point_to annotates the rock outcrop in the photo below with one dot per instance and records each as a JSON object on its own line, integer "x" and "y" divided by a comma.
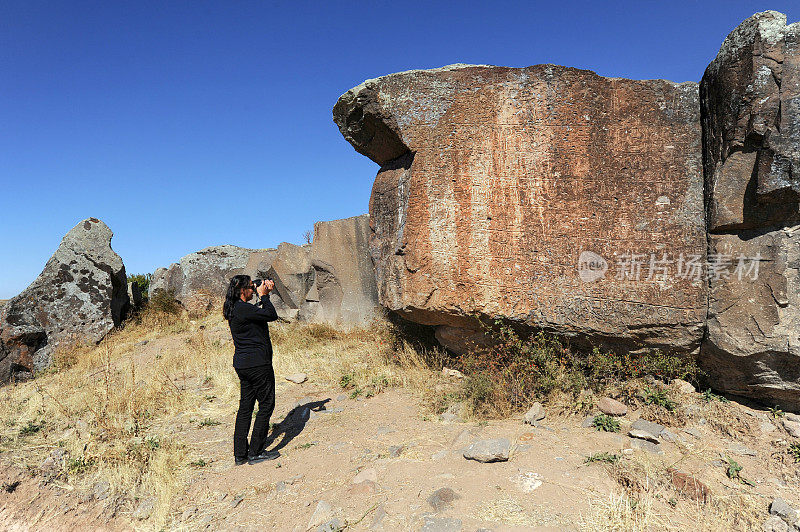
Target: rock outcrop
{"x": 330, "y": 280}
{"x": 80, "y": 296}
{"x": 750, "y": 97}
{"x": 548, "y": 196}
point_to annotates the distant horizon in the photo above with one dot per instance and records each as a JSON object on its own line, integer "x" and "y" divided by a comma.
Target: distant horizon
{"x": 168, "y": 121}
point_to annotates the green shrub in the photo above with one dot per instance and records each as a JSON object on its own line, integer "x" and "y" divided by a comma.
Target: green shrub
{"x": 658, "y": 398}
{"x": 604, "y": 457}
{"x": 142, "y": 280}
{"x": 794, "y": 451}
{"x": 605, "y": 423}
{"x": 164, "y": 302}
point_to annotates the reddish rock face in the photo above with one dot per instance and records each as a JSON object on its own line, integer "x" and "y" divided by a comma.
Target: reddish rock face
{"x": 497, "y": 183}
{"x": 750, "y": 97}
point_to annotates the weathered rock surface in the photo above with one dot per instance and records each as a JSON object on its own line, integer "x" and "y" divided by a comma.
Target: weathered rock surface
{"x": 495, "y": 180}
{"x": 612, "y": 407}
{"x": 750, "y": 98}
{"x": 330, "y": 280}
{"x": 81, "y": 294}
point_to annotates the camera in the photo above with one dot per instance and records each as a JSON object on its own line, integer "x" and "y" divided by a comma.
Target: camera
{"x": 257, "y": 282}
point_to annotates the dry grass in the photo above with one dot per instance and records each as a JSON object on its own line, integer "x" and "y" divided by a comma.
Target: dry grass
{"x": 113, "y": 407}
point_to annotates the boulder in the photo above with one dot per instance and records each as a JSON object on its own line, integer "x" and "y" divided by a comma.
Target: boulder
{"x": 330, "y": 280}
{"x": 612, "y": 407}
{"x": 79, "y": 297}
{"x": 750, "y": 98}
{"x": 535, "y": 195}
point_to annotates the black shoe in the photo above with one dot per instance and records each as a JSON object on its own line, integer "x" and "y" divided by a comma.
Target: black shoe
{"x": 266, "y": 455}
{"x": 239, "y": 461}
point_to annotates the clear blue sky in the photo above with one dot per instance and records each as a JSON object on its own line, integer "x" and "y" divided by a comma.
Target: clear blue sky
{"x": 185, "y": 124}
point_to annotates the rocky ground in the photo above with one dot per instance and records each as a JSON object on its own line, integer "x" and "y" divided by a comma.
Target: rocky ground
{"x": 385, "y": 462}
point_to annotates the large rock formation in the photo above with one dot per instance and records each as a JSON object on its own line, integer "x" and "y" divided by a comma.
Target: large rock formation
{"x": 497, "y": 183}
{"x": 80, "y": 296}
{"x": 330, "y": 280}
{"x": 750, "y": 97}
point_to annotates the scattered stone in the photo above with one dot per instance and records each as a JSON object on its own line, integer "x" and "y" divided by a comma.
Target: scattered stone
{"x": 741, "y": 450}
{"x": 442, "y": 498}
{"x": 683, "y": 387}
{"x": 527, "y": 436}
{"x": 783, "y": 510}
{"x": 452, "y": 414}
{"x": 646, "y": 445}
{"x": 294, "y": 479}
{"x": 297, "y": 378}
{"x": 654, "y": 429}
{"x": 101, "y": 490}
{"x": 464, "y": 437}
{"x": 220, "y": 496}
{"x": 642, "y": 435}
{"x": 792, "y": 417}
{"x": 536, "y": 413}
{"x": 792, "y": 427}
{"x": 280, "y": 486}
{"x": 396, "y": 450}
{"x": 441, "y": 524}
{"x": 323, "y": 513}
{"x": 142, "y": 343}
{"x": 365, "y": 487}
{"x": 692, "y": 431}
{"x": 688, "y": 486}
{"x": 331, "y": 526}
{"x": 144, "y": 509}
{"x": 767, "y": 427}
{"x": 495, "y": 450}
{"x": 380, "y": 514}
{"x": 775, "y": 524}
{"x": 611, "y": 407}
{"x": 341, "y": 397}
{"x": 236, "y": 501}
{"x": 447, "y": 372}
{"x": 365, "y": 474}
{"x": 529, "y": 481}
{"x": 439, "y": 455}
{"x": 587, "y": 422}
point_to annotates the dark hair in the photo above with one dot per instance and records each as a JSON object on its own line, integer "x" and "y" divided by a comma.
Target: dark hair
{"x": 238, "y": 282}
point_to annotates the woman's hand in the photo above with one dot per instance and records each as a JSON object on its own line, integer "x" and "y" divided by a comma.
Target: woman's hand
{"x": 265, "y": 288}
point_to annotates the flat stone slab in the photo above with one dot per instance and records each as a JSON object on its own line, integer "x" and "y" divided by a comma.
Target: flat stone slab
{"x": 496, "y": 450}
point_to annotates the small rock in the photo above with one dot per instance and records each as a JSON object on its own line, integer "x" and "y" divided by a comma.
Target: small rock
{"x": 341, "y": 397}
{"x": 452, "y": 414}
{"x": 536, "y": 413}
{"x": 742, "y": 450}
{"x": 646, "y": 445}
{"x": 683, "y": 387}
{"x": 441, "y": 524}
{"x": 766, "y": 427}
{"x": 485, "y": 451}
{"x": 775, "y": 524}
{"x": 322, "y": 514}
{"x": 688, "y": 486}
{"x": 447, "y": 372}
{"x": 366, "y": 487}
{"x": 280, "y": 486}
{"x": 380, "y": 514}
{"x": 647, "y": 426}
{"x": 144, "y": 509}
{"x": 782, "y": 509}
{"x": 442, "y": 498}
{"x": 693, "y": 432}
{"x": 792, "y": 427}
{"x": 438, "y": 455}
{"x": 670, "y": 436}
{"x": 642, "y": 435}
{"x": 101, "y": 490}
{"x": 587, "y": 422}
{"x": 236, "y": 501}
{"x": 297, "y": 378}
{"x": 142, "y": 343}
{"x": 396, "y": 450}
{"x": 611, "y": 407}
{"x": 219, "y": 496}
{"x": 331, "y": 526}
{"x": 365, "y": 474}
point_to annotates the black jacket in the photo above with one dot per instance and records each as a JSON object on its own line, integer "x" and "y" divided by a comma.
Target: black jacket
{"x": 250, "y": 333}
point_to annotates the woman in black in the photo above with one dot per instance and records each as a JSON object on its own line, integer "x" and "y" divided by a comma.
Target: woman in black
{"x": 252, "y": 360}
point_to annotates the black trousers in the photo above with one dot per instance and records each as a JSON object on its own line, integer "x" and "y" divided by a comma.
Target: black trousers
{"x": 257, "y": 383}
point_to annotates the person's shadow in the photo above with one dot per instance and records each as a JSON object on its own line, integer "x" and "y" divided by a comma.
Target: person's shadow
{"x": 294, "y": 423}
